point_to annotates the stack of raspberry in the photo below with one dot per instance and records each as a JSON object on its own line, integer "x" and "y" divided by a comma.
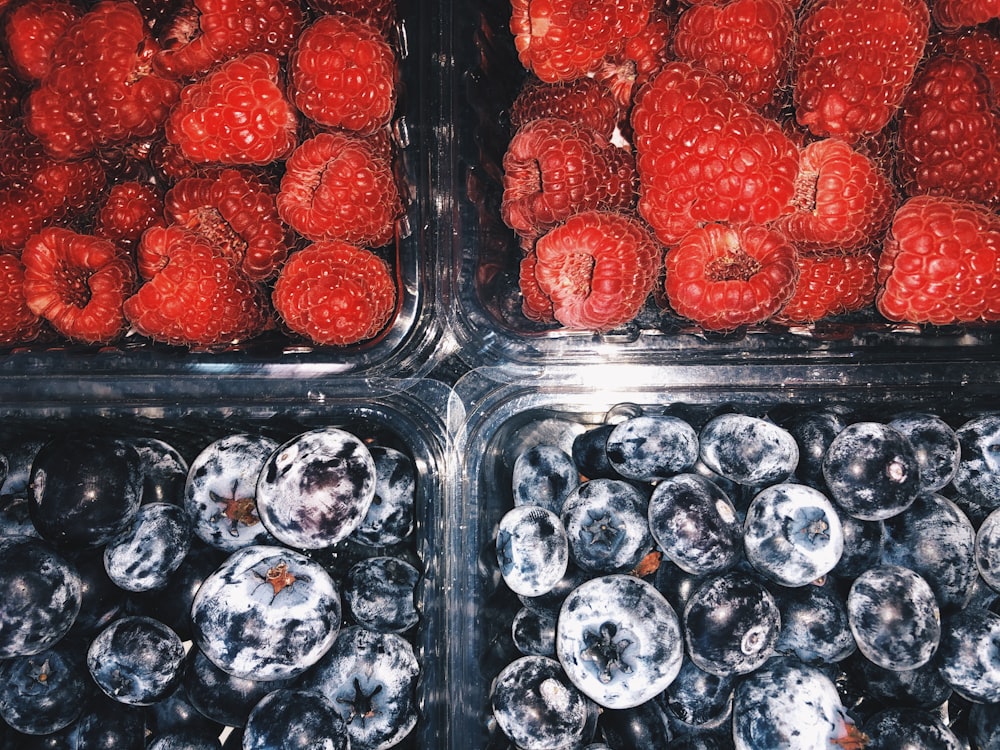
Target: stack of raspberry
{"x": 756, "y": 162}
{"x": 196, "y": 172}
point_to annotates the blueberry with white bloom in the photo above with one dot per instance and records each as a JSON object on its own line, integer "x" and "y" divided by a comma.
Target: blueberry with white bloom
{"x": 544, "y": 475}
{"x": 651, "y": 447}
{"x": 906, "y": 727}
{"x": 978, "y": 475}
{"x": 969, "y": 657}
{"x": 937, "y": 446}
{"x": 748, "y": 450}
{"x": 532, "y": 550}
{"x": 286, "y": 719}
{"x": 136, "y": 660}
{"x": 987, "y": 550}
{"x": 390, "y": 517}
{"x": 606, "y": 525}
{"x": 143, "y": 557}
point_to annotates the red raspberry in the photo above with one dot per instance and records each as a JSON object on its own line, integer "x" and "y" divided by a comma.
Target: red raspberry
{"x": 585, "y": 101}
{"x": 643, "y": 57}
{"x": 343, "y": 75}
{"x": 854, "y": 61}
{"x": 535, "y": 304}
{"x": 949, "y": 133}
{"x": 129, "y": 209}
{"x": 77, "y": 283}
{"x": 940, "y": 263}
{"x": 559, "y": 40}
{"x": 336, "y": 187}
{"x": 18, "y": 324}
{"x": 744, "y": 42}
{"x": 198, "y": 298}
{"x": 335, "y": 293}
{"x": 208, "y": 32}
{"x": 955, "y": 14}
{"x": 704, "y": 156}
{"x": 235, "y": 213}
{"x": 554, "y": 168}
{"x": 32, "y": 30}
{"x": 597, "y": 270}
{"x": 724, "y": 277}
{"x": 977, "y": 45}
{"x": 829, "y": 285}
{"x": 99, "y": 89}
{"x": 843, "y": 201}
{"x": 381, "y": 14}
{"x": 237, "y": 114}
{"x": 11, "y": 94}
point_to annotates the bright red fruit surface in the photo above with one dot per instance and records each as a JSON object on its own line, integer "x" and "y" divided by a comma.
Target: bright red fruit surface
{"x": 31, "y": 31}
{"x": 830, "y": 285}
{"x": 585, "y": 101}
{"x": 18, "y": 324}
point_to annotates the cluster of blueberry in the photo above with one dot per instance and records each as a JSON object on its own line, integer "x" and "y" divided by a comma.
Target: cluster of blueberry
{"x": 707, "y": 579}
{"x": 265, "y": 582}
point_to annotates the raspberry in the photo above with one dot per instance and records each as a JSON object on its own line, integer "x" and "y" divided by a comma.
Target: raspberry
{"x": 535, "y": 304}
{"x": 99, "y": 89}
{"x": 11, "y": 94}
{"x": 940, "y": 263}
{"x": 724, "y": 277}
{"x": 949, "y": 133}
{"x": 235, "y": 213}
{"x": 18, "y": 324}
{"x": 597, "y": 270}
{"x": 955, "y": 14}
{"x": 343, "y": 75}
{"x": 335, "y": 293}
{"x": 77, "y": 283}
{"x": 336, "y": 187}
{"x": 643, "y": 56}
{"x": 843, "y": 201}
{"x": 381, "y": 14}
{"x": 744, "y": 42}
{"x": 554, "y": 168}
{"x": 559, "y": 40}
{"x": 129, "y": 210}
{"x": 977, "y": 45}
{"x": 703, "y": 156}
{"x": 208, "y": 32}
{"x": 32, "y": 30}
{"x": 585, "y": 101}
{"x": 237, "y": 114}
{"x": 198, "y": 298}
{"x": 854, "y": 61}
{"x": 830, "y": 285}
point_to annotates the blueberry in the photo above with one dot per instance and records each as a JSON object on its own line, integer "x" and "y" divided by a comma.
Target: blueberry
{"x": 984, "y": 726}
{"x": 532, "y": 550}
{"x": 792, "y": 534}
{"x": 814, "y": 625}
{"x": 267, "y": 613}
{"x": 85, "y": 491}
{"x": 316, "y": 488}
{"x": 700, "y": 699}
{"x": 701, "y": 741}
{"x": 109, "y": 725}
{"x": 644, "y": 726}
{"x": 544, "y": 475}
{"x": 183, "y": 741}
{"x": 136, "y": 660}
{"x": 590, "y": 453}
{"x": 935, "y": 539}
{"x": 380, "y": 593}
{"x": 164, "y": 470}
{"x": 40, "y": 593}
{"x": 894, "y": 617}
{"x": 390, "y": 517}
{"x": 923, "y": 687}
{"x": 872, "y": 471}
{"x": 748, "y": 450}
{"x": 651, "y": 447}
{"x": 534, "y": 633}
{"x": 896, "y": 728}
{"x": 551, "y": 601}
{"x": 978, "y": 475}
{"x": 606, "y": 525}
{"x": 731, "y": 624}
{"x": 143, "y": 556}
{"x": 370, "y": 678}
{"x": 219, "y": 695}
{"x": 619, "y": 641}
{"x": 936, "y": 444}
{"x": 44, "y": 692}
{"x": 813, "y": 432}
{"x": 862, "y": 545}
{"x": 987, "y": 550}
{"x": 538, "y": 707}
{"x": 695, "y": 525}
{"x": 287, "y": 719}
{"x": 969, "y": 657}
{"x": 176, "y": 715}
{"x": 221, "y": 489}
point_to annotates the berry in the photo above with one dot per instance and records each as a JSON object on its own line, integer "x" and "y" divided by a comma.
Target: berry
{"x": 32, "y": 30}
{"x": 334, "y": 293}
{"x": 308, "y": 716}
{"x": 828, "y": 286}
{"x": 586, "y": 101}
{"x": 853, "y": 64}
{"x": 939, "y": 263}
{"x": 380, "y": 594}
{"x": 337, "y": 187}
{"x": 207, "y": 32}
{"x": 597, "y": 269}
{"x": 532, "y": 550}
{"x": 129, "y": 209}
{"x": 197, "y": 298}
{"x": 723, "y": 277}
{"x": 565, "y": 39}
{"x": 78, "y": 283}
{"x": 606, "y": 526}
{"x": 954, "y": 14}
{"x": 704, "y": 156}
{"x": 976, "y": 44}
{"x": 18, "y": 324}
{"x": 11, "y": 93}
{"x": 343, "y": 74}
{"x": 99, "y": 89}
{"x": 949, "y": 133}
{"x": 136, "y": 660}
{"x": 234, "y": 211}
{"x": 651, "y": 447}
{"x": 381, "y": 14}
{"x": 643, "y": 56}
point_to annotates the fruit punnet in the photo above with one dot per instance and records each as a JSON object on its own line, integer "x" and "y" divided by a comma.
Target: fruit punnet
{"x": 813, "y": 121}
{"x": 122, "y": 117}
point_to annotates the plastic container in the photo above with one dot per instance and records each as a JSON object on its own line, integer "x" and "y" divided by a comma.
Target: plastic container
{"x": 412, "y": 416}
{"x": 509, "y": 410}
{"x": 483, "y": 298}
{"x": 406, "y": 346}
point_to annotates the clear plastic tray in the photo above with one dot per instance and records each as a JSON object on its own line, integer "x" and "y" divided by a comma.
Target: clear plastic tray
{"x": 407, "y": 345}
{"x": 510, "y": 409}
{"x": 483, "y": 299}
{"x": 416, "y": 417}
